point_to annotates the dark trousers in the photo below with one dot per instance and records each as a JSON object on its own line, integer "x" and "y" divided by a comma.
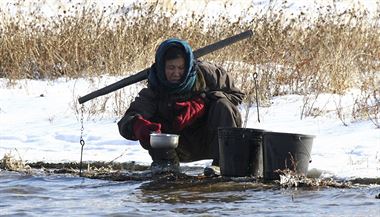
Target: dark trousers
{"x": 200, "y": 140}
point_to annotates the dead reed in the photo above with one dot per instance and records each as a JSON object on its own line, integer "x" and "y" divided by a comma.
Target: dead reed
{"x": 331, "y": 52}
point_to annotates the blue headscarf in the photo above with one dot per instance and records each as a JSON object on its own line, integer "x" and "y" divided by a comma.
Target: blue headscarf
{"x": 157, "y": 78}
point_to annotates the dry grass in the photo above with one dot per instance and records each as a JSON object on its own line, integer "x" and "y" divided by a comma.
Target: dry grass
{"x": 9, "y": 162}
{"x": 331, "y": 53}
{"x": 289, "y": 179}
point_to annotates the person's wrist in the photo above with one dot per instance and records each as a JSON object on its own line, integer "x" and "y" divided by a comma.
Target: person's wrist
{"x": 138, "y": 126}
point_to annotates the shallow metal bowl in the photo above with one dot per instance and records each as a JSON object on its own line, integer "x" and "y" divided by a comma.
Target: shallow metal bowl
{"x": 162, "y": 140}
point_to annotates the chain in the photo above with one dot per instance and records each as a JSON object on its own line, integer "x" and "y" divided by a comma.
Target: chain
{"x": 248, "y": 108}
{"x": 81, "y": 141}
{"x": 257, "y": 97}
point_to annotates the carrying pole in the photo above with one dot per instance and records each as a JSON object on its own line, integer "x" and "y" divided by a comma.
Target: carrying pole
{"x": 142, "y": 75}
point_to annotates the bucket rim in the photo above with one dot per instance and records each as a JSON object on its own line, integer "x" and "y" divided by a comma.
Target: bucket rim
{"x": 242, "y": 129}
{"x": 288, "y": 133}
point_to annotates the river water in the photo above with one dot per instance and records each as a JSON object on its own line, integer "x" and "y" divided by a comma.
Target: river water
{"x": 71, "y": 195}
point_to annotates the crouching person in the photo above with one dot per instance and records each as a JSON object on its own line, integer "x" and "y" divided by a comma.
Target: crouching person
{"x": 187, "y": 97}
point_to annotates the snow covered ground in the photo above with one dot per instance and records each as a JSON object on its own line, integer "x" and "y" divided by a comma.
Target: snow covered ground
{"x": 38, "y": 122}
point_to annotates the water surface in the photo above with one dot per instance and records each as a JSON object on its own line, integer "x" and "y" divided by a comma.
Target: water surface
{"x": 66, "y": 195}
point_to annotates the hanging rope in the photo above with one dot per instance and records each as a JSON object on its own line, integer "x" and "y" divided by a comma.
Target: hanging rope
{"x": 257, "y": 96}
{"x": 81, "y": 141}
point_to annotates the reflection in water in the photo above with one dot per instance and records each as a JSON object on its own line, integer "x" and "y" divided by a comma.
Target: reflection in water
{"x": 63, "y": 195}
{"x": 190, "y": 191}
{"x": 185, "y": 197}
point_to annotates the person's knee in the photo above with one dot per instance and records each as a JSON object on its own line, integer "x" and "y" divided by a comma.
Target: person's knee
{"x": 224, "y": 113}
{"x": 223, "y": 104}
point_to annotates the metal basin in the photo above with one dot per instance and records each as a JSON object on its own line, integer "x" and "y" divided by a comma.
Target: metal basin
{"x": 162, "y": 140}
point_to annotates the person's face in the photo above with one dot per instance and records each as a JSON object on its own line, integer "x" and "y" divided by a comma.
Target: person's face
{"x": 174, "y": 69}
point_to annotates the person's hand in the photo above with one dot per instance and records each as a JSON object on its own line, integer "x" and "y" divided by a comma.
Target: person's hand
{"x": 143, "y": 128}
{"x": 188, "y": 112}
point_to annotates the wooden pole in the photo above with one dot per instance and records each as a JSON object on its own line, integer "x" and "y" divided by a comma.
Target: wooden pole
{"x": 142, "y": 75}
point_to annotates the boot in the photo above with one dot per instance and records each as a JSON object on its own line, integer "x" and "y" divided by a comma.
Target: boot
{"x": 213, "y": 170}
{"x": 164, "y": 161}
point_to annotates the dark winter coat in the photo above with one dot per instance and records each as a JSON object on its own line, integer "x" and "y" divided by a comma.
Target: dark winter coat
{"x": 212, "y": 83}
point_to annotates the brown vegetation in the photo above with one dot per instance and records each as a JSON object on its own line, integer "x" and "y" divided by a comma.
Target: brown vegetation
{"x": 331, "y": 53}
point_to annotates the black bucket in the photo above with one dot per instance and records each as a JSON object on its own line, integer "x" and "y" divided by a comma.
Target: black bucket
{"x": 240, "y": 151}
{"x": 286, "y": 151}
